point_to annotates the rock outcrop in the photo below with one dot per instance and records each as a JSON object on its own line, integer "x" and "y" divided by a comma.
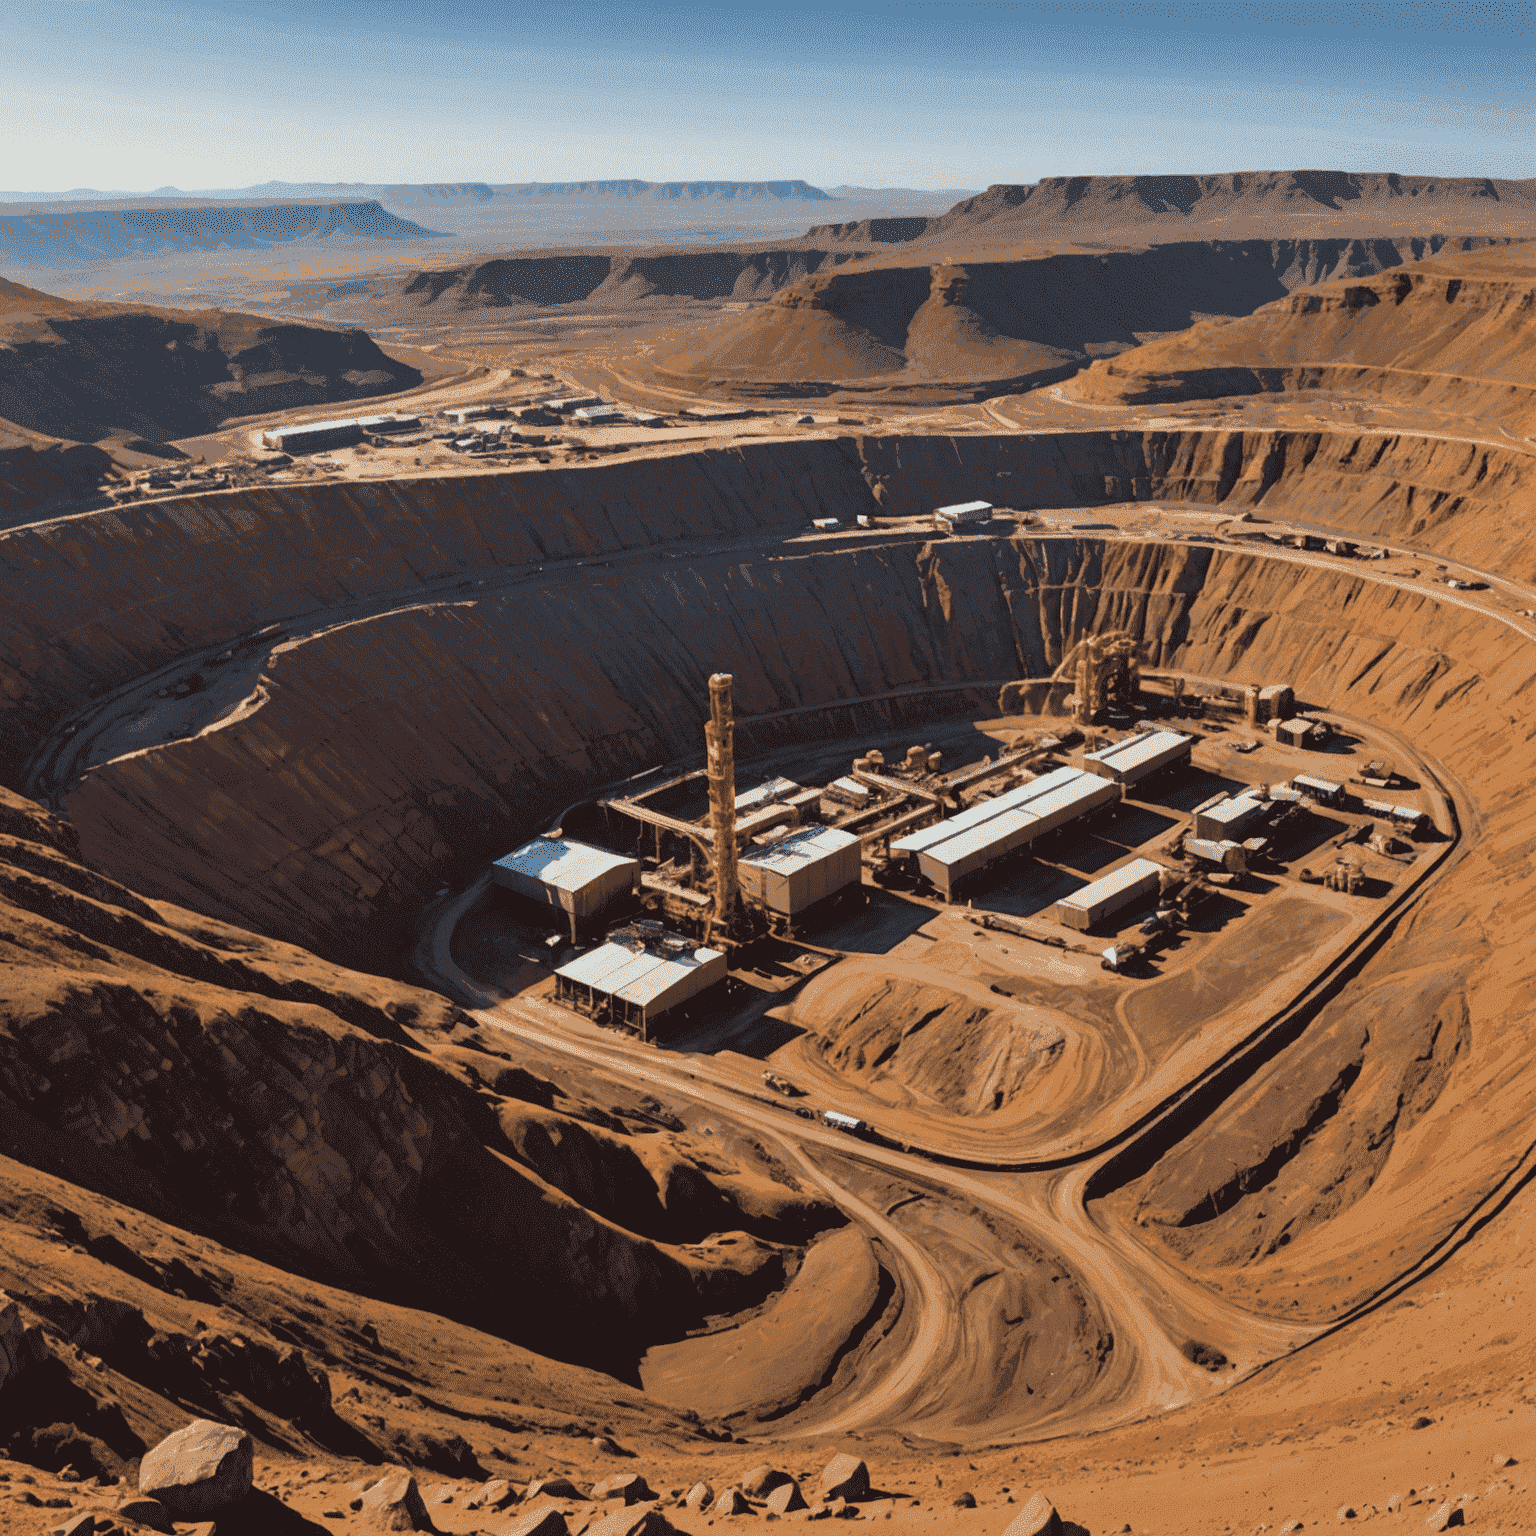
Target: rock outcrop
{"x": 199, "y": 1470}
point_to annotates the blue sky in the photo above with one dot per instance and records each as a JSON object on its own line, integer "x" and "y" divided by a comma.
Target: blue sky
{"x": 198, "y": 93}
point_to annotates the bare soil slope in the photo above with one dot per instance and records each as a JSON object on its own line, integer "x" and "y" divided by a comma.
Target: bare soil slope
{"x": 1457, "y": 331}
{"x": 87, "y": 371}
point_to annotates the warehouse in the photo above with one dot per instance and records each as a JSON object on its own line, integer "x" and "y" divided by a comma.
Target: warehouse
{"x": 1404, "y": 815}
{"x": 560, "y": 872}
{"x": 637, "y": 977}
{"x": 766, "y": 794}
{"x": 570, "y": 403}
{"x": 1277, "y": 702}
{"x": 1230, "y": 816}
{"x": 963, "y": 513}
{"x": 1324, "y": 791}
{"x": 1139, "y": 756}
{"x": 962, "y": 845}
{"x": 1230, "y": 856}
{"x": 598, "y": 415}
{"x": 312, "y": 436}
{"x": 1129, "y": 884}
{"x": 800, "y": 870}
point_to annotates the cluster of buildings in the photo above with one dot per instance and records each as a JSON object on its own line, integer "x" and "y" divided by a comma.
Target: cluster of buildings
{"x": 314, "y": 436}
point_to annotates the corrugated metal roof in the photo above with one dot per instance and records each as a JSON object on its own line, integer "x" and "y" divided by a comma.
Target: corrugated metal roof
{"x": 1121, "y": 879}
{"x": 1235, "y": 808}
{"x": 1323, "y": 786}
{"x": 1019, "y": 798}
{"x": 1144, "y": 747}
{"x": 636, "y": 976}
{"x": 996, "y": 832}
{"x": 562, "y": 863}
{"x": 799, "y": 849}
{"x": 963, "y": 509}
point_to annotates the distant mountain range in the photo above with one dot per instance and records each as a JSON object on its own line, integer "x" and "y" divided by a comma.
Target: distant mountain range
{"x": 453, "y": 191}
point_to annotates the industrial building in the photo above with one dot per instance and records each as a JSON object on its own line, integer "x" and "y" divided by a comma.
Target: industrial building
{"x": 637, "y": 977}
{"x": 1301, "y": 732}
{"x": 962, "y": 514}
{"x": 1276, "y": 702}
{"x": 312, "y": 436}
{"x": 598, "y": 415}
{"x": 1139, "y": 756}
{"x": 962, "y": 845}
{"x": 570, "y": 403}
{"x": 1130, "y": 883}
{"x": 1230, "y": 816}
{"x": 771, "y": 792}
{"x": 1324, "y": 791}
{"x": 1404, "y": 815}
{"x": 1231, "y": 856}
{"x": 575, "y": 877}
{"x": 801, "y": 869}
{"x": 463, "y": 413}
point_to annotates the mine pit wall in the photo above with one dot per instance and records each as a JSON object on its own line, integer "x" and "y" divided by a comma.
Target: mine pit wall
{"x": 392, "y": 751}
{"x": 97, "y": 600}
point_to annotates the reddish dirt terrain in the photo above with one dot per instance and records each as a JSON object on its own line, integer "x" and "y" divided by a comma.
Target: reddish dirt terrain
{"x": 296, "y": 1137}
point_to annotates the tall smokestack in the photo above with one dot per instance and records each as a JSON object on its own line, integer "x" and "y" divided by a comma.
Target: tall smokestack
{"x": 720, "y": 740}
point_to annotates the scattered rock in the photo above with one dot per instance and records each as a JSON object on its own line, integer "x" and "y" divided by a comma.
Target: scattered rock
{"x": 498, "y": 1493}
{"x": 632, "y": 1522}
{"x": 1505, "y": 1461}
{"x": 608, "y": 1446}
{"x": 731, "y": 1502}
{"x": 1346, "y": 1512}
{"x": 394, "y": 1504}
{"x": 844, "y": 1477}
{"x": 146, "y": 1511}
{"x": 1445, "y": 1517}
{"x": 199, "y": 1470}
{"x": 631, "y": 1487}
{"x": 1422, "y": 1422}
{"x": 785, "y": 1499}
{"x": 80, "y": 1525}
{"x": 699, "y": 1497}
{"x": 1395, "y": 1503}
{"x": 965, "y": 1499}
{"x": 553, "y": 1488}
{"x": 536, "y": 1522}
{"x": 1037, "y": 1518}
{"x": 762, "y": 1480}
{"x": 1290, "y": 1527}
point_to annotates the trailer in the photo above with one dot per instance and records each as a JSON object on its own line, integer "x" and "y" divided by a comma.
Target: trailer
{"x": 962, "y": 514}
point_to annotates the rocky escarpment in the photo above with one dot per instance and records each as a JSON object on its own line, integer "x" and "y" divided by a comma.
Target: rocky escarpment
{"x": 958, "y": 319}
{"x": 341, "y": 1125}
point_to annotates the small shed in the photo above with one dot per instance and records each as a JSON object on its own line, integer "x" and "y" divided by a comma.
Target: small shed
{"x": 1230, "y": 816}
{"x": 1300, "y": 732}
{"x": 560, "y": 872}
{"x": 1324, "y": 791}
{"x": 963, "y": 513}
{"x": 800, "y": 870}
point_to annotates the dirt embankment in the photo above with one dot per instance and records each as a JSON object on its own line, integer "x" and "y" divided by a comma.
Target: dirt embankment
{"x": 1457, "y": 333}
{"x": 90, "y": 370}
{"x": 1024, "y": 319}
{"x": 349, "y": 1127}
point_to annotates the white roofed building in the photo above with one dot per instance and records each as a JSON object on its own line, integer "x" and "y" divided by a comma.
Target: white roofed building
{"x": 560, "y": 872}
{"x": 1138, "y": 756}
{"x": 800, "y": 870}
{"x": 631, "y": 982}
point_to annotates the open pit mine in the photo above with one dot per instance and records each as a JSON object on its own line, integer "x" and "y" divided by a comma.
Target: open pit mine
{"x": 580, "y": 956}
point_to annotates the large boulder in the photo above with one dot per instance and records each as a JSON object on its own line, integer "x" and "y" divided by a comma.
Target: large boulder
{"x": 534, "y": 1522}
{"x": 844, "y": 1477}
{"x": 785, "y": 1499}
{"x": 146, "y": 1511}
{"x": 699, "y": 1498}
{"x": 731, "y": 1502}
{"x": 762, "y": 1480}
{"x": 394, "y": 1503}
{"x": 632, "y": 1522}
{"x": 498, "y": 1493}
{"x": 199, "y": 1470}
{"x": 554, "y": 1488}
{"x": 631, "y": 1487}
{"x": 1037, "y": 1518}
